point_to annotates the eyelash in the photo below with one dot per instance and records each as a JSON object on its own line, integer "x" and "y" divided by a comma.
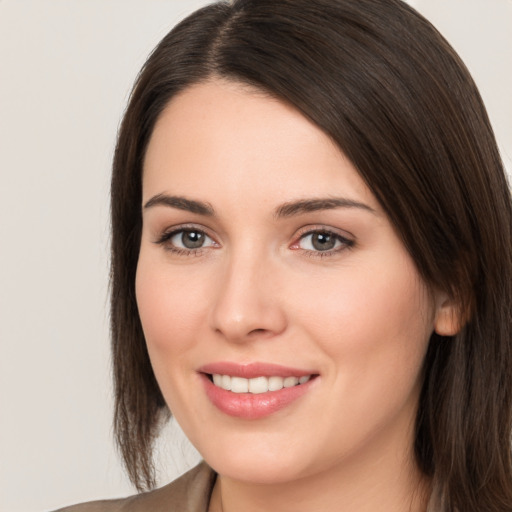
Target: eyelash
{"x": 165, "y": 238}
{"x": 345, "y": 243}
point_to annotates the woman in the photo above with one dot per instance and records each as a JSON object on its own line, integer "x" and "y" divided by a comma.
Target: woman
{"x": 311, "y": 266}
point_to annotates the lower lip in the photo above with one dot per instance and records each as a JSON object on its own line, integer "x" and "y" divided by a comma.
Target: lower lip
{"x": 252, "y": 406}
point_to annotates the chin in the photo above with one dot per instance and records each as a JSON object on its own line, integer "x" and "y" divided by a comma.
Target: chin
{"x": 261, "y": 463}
{"x": 265, "y": 470}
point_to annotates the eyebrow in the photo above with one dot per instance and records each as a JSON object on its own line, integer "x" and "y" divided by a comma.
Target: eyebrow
{"x": 285, "y": 210}
{"x": 313, "y": 205}
{"x": 181, "y": 203}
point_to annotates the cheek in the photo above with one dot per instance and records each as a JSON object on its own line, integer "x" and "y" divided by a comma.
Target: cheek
{"x": 371, "y": 323}
{"x": 171, "y": 306}
{"x": 374, "y": 329}
{"x": 362, "y": 302}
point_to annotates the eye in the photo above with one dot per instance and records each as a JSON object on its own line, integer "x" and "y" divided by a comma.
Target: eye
{"x": 184, "y": 241}
{"x": 190, "y": 239}
{"x": 322, "y": 241}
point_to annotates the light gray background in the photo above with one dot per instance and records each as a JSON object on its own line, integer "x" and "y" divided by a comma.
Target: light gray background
{"x": 66, "y": 67}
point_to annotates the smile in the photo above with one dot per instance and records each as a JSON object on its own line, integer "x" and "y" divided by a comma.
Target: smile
{"x": 256, "y": 390}
{"x": 257, "y": 385}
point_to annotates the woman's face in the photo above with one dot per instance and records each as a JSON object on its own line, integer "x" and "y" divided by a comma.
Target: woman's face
{"x": 266, "y": 261}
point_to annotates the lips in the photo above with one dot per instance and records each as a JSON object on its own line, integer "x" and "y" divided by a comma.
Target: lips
{"x": 249, "y": 371}
{"x": 255, "y": 390}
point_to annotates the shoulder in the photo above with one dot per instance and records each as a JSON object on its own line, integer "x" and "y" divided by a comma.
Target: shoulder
{"x": 189, "y": 493}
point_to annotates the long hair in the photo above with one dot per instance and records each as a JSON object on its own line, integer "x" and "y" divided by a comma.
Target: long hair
{"x": 379, "y": 80}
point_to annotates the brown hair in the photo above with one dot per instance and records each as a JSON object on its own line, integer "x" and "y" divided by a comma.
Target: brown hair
{"x": 394, "y": 96}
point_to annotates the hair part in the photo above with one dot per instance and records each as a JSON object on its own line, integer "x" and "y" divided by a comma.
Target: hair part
{"x": 379, "y": 80}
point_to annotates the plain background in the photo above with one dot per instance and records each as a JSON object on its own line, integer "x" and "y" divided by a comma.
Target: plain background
{"x": 66, "y": 68}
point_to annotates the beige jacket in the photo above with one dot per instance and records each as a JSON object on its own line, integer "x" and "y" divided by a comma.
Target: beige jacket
{"x": 189, "y": 493}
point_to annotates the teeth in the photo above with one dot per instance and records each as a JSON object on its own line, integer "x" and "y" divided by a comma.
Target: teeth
{"x": 258, "y": 384}
{"x": 275, "y": 383}
{"x": 238, "y": 384}
{"x": 225, "y": 382}
{"x": 289, "y": 382}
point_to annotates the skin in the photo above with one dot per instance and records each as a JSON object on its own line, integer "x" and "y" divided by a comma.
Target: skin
{"x": 358, "y": 314}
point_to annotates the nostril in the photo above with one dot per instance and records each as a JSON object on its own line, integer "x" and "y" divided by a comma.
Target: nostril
{"x": 257, "y": 331}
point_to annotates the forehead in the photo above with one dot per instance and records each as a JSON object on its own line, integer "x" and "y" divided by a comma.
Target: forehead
{"x": 219, "y": 112}
{"x": 226, "y": 138}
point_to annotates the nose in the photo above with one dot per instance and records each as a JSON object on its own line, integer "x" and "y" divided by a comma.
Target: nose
{"x": 247, "y": 304}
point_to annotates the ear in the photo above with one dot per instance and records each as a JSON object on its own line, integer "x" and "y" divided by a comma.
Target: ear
{"x": 448, "y": 318}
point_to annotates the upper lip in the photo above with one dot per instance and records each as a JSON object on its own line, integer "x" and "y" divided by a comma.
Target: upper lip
{"x": 252, "y": 370}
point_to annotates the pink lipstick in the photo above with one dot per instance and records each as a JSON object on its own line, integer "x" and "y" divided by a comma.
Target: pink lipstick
{"x": 255, "y": 390}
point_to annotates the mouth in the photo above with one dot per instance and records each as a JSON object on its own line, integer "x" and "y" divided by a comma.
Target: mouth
{"x": 256, "y": 385}
{"x": 256, "y": 390}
